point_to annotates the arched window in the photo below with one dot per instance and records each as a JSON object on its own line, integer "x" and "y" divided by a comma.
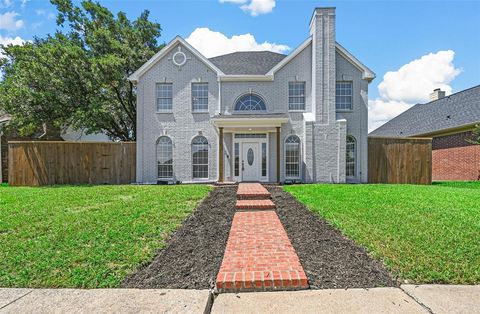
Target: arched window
{"x": 351, "y": 156}
{"x": 292, "y": 157}
{"x": 165, "y": 158}
{"x": 200, "y": 157}
{"x": 250, "y": 102}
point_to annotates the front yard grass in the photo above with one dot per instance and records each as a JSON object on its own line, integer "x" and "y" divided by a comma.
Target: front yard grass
{"x": 424, "y": 234}
{"x": 86, "y": 236}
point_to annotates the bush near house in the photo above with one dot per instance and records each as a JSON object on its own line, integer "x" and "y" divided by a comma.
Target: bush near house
{"x": 424, "y": 234}
{"x": 86, "y": 236}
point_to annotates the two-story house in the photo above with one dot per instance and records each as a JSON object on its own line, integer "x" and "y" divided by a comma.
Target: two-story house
{"x": 254, "y": 116}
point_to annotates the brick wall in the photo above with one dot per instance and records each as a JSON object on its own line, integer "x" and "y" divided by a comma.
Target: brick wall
{"x": 453, "y": 158}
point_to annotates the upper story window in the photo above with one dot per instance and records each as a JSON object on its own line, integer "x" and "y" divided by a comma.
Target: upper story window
{"x": 250, "y": 102}
{"x": 296, "y": 96}
{"x": 343, "y": 96}
{"x": 200, "y": 97}
{"x": 164, "y": 96}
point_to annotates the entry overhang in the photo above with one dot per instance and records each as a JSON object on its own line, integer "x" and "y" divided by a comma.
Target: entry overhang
{"x": 250, "y": 121}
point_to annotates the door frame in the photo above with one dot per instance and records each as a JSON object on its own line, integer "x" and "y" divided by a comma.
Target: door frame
{"x": 240, "y": 142}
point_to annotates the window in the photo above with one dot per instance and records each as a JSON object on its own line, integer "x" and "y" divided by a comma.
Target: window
{"x": 292, "y": 157}
{"x": 250, "y": 102}
{"x": 250, "y": 135}
{"x": 165, "y": 158}
{"x": 164, "y": 97}
{"x": 200, "y": 157}
{"x": 351, "y": 157}
{"x": 343, "y": 96}
{"x": 296, "y": 96}
{"x": 200, "y": 97}
{"x": 237, "y": 160}
{"x": 264, "y": 159}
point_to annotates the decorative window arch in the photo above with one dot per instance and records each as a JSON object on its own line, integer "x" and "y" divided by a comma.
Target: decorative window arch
{"x": 200, "y": 157}
{"x": 165, "y": 157}
{"x": 250, "y": 102}
{"x": 351, "y": 157}
{"x": 292, "y": 157}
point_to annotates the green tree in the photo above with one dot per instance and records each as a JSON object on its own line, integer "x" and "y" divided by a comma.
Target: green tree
{"x": 475, "y": 139}
{"x": 78, "y": 76}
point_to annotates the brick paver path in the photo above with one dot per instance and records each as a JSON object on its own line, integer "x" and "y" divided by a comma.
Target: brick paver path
{"x": 259, "y": 255}
{"x": 252, "y": 191}
{"x": 255, "y": 204}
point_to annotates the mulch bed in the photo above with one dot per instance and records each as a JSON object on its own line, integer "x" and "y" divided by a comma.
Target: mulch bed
{"x": 193, "y": 254}
{"x": 329, "y": 259}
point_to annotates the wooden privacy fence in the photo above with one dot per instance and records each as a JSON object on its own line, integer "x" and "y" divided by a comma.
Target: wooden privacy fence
{"x": 400, "y": 160}
{"x": 46, "y": 163}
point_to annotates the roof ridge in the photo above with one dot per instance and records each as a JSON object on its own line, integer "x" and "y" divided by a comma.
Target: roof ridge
{"x": 248, "y": 51}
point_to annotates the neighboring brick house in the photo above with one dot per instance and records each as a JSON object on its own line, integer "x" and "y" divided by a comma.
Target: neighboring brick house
{"x": 254, "y": 116}
{"x": 449, "y": 121}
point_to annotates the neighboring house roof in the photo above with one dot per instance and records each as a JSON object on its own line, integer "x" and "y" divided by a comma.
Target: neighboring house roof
{"x": 247, "y": 62}
{"x": 5, "y": 117}
{"x": 458, "y": 110}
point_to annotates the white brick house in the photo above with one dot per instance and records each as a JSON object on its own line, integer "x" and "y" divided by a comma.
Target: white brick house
{"x": 254, "y": 116}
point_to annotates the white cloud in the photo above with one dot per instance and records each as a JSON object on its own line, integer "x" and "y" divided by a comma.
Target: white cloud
{"x": 211, "y": 43}
{"x": 45, "y": 13}
{"x": 23, "y": 3}
{"x": 5, "y": 41}
{"x": 9, "y": 22}
{"x": 255, "y": 7}
{"x": 411, "y": 84}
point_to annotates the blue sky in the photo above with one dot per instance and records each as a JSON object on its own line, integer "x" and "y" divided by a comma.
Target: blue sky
{"x": 384, "y": 35}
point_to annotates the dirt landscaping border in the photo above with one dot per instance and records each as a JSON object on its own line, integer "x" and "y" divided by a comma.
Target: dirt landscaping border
{"x": 193, "y": 255}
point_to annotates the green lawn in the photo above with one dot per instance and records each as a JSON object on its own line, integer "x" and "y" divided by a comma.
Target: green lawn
{"x": 86, "y": 236}
{"x": 426, "y": 234}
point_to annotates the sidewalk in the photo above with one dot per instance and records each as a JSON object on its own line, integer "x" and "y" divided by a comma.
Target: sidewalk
{"x": 407, "y": 299}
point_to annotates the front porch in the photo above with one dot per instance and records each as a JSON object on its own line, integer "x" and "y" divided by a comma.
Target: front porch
{"x": 249, "y": 147}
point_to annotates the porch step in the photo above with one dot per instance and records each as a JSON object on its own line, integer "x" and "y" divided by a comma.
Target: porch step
{"x": 254, "y": 204}
{"x": 252, "y": 191}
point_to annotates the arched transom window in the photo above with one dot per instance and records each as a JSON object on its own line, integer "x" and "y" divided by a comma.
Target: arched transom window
{"x": 165, "y": 158}
{"x": 200, "y": 157}
{"x": 292, "y": 157}
{"x": 250, "y": 102}
{"x": 351, "y": 157}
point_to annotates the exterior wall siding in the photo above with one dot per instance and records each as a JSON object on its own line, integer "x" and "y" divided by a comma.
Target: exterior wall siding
{"x": 357, "y": 118}
{"x": 453, "y": 158}
{"x": 182, "y": 125}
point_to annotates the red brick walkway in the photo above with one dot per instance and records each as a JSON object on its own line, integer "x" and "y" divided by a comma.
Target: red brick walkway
{"x": 259, "y": 255}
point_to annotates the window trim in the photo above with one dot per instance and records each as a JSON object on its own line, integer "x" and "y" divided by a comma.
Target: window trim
{"x": 191, "y": 94}
{"x": 156, "y": 97}
{"x": 156, "y": 157}
{"x": 285, "y": 157}
{"x": 354, "y": 157}
{"x": 208, "y": 159}
{"x": 351, "y": 96}
{"x": 304, "y": 96}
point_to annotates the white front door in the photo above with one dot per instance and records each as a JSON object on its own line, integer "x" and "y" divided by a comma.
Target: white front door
{"x": 250, "y": 162}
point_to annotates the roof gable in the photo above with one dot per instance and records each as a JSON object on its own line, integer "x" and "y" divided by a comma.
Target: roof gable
{"x": 164, "y": 51}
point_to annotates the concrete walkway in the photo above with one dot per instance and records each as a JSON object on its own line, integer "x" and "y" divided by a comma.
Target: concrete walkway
{"x": 407, "y": 299}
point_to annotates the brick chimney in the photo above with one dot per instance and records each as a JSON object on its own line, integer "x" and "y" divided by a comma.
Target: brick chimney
{"x": 322, "y": 30}
{"x": 437, "y": 94}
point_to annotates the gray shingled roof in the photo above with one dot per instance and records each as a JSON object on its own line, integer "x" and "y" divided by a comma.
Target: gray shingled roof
{"x": 247, "y": 62}
{"x": 459, "y": 109}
